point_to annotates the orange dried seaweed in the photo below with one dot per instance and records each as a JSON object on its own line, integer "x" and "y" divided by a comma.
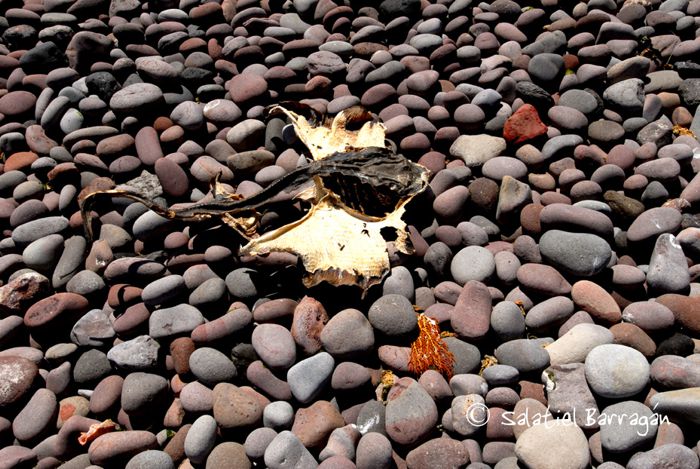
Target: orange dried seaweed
{"x": 429, "y": 350}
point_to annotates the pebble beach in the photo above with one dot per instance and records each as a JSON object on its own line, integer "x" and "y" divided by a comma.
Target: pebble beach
{"x": 554, "y": 249}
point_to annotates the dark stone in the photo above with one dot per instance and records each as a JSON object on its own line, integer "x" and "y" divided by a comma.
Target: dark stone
{"x": 43, "y": 58}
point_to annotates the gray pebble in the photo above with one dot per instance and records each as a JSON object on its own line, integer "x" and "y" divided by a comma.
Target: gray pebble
{"x": 285, "y": 451}
{"x": 524, "y": 354}
{"x": 278, "y": 415}
{"x": 616, "y": 371}
{"x": 627, "y": 425}
{"x": 200, "y": 439}
{"x": 392, "y": 315}
{"x": 310, "y": 376}
{"x": 472, "y": 263}
{"x": 138, "y": 354}
{"x": 210, "y": 366}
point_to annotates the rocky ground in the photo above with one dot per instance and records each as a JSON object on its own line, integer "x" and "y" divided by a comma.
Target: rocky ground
{"x": 557, "y": 243}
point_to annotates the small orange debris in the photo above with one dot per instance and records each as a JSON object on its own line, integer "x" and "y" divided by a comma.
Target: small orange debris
{"x": 680, "y": 130}
{"x": 488, "y": 361}
{"x": 429, "y": 350}
{"x": 95, "y": 430}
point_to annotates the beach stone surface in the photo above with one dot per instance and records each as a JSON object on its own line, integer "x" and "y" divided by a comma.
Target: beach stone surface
{"x": 549, "y": 266}
{"x": 616, "y": 371}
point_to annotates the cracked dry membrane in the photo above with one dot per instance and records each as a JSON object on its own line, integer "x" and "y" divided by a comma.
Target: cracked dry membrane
{"x": 358, "y": 193}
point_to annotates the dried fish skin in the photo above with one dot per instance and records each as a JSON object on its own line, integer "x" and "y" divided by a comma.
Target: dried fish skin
{"x": 335, "y": 246}
{"x": 327, "y": 138}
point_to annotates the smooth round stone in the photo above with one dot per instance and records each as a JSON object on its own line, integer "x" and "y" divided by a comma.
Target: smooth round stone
{"x": 310, "y": 376}
{"x": 576, "y": 218}
{"x": 47, "y": 313}
{"x": 672, "y": 371}
{"x": 349, "y": 375}
{"x": 250, "y": 161}
{"x": 629, "y": 425}
{"x": 605, "y": 131}
{"x": 373, "y": 450}
{"x": 222, "y": 112}
{"x": 257, "y": 441}
{"x": 507, "y": 265}
{"x": 172, "y": 177}
{"x": 560, "y": 144}
{"x": 151, "y": 459}
{"x": 550, "y": 312}
{"x": 392, "y": 315}
{"x": 36, "y": 229}
{"x": 347, "y": 333}
{"x": 437, "y": 258}
{"x": 200, "y": 439}
{"x": 664, "y": 169}
{"x": 399, "y": 282}
{"x": 116, "y": 446}
{"x": 574, "y": 346}
{"x": 235, "y": 407}
{"x": 228, "y": 455}
{"x": 545, "y": 67}
{"x": 142, "y": 391}
{"x": 421, "y": 82}
{"x": 314, "y": 424}
{"x": 274, "y": 309}
{"x": 169, "y": 322}
{"x": 470, "y": 316}
{"x": 196, "y": 398}
{"x": 626, "y": 95}
{"x": 507, "y": 320}
{"x": 543, "y": 279}
{"x": 438, "y": 452}
{"x": 648, "y": 315}
{"x": 556, "y": 444}
{"x": 672, "y": 455}
{"x": 210, "y": 292}
{"x": 286, "y": 450}
{"x": 567, "y": 118}
{"x": 499, "y": 167}
{"x": 278, "y": 415}
{"x": 93, "y": 329}
{"x": 19, "y": 456}
{"x": 616, "y": 371}
{"x": 247, "y": 87}
{"x": 274, "y": 345}
{"x": 668, "y": 268}
{"x": 36, "y": 417}
{"x": 135, "y": 97}
{"x": 188, "y": 115}
{"x": 580, "y": 100}
{"x": 467, "y": 356}
{"x": 472, "y": 263}
{"x": 16, "y": 103}
{"x": 632, "y": 336}
{"x": 155, "y": 69}
{"x": 500, "y": 375}
{"x": 410, "y": 412}
{"x": 91, "y": 366}
{"x": 163, "y": 289}
{"x": 579, "y": 254}
{"x": 475, "y": 150}
{"x": 210, "y": 366}
{"x": 43, "y": 253}
{"x": 523, "y": 354}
